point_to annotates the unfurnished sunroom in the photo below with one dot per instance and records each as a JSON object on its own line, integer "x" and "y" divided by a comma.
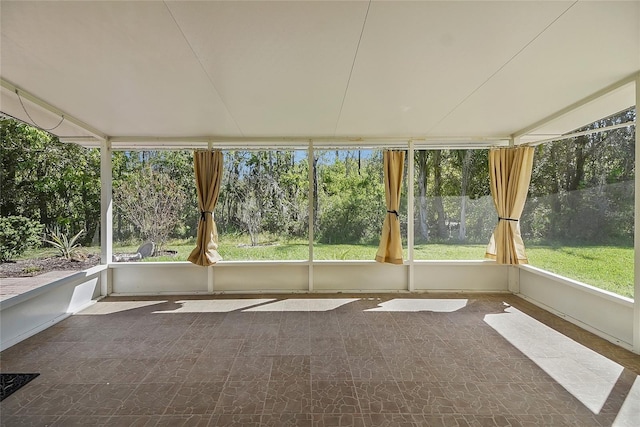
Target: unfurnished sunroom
{"x": 313, "y": 77}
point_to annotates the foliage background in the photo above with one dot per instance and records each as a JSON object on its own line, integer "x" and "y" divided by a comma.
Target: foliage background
{"x": 581, "y": 191}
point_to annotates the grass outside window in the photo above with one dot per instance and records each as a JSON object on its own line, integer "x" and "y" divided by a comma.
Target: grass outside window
{"x": 605, "y": 267}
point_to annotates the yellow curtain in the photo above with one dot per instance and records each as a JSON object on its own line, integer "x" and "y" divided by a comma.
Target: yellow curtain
{"x": 390, "y": 249}
{"x": 208, "y": 168}
{"x": 510, "y": 173}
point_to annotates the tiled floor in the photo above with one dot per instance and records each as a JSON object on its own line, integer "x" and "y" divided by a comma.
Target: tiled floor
{"x": 328, "y": 360}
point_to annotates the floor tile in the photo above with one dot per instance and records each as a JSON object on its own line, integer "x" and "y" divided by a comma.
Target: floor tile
{"x": 195, "y": 398}
{"x": 56, "y": 400}
{"x": 354, "y": 365}
{"x": 148, "y": 399}
{"x": 362, "y": 347}
{"x": 473, "y": 398}
{"x": 411, "y": 369}
{"x": 236, "y": 420}
{"x": 242, "y": 397}
{"x": 287, "y": 420}
{"x": 425, "y": 398}
{"x": 288, "y": 397}
{"x": 334, "y": 397}
{"x": 330, "y": 368}
{"x": 102, "y": 399}
{"x": 210, "y": 369}
{"x": 29, "y": 420}
{"x": 296, "y": 368}
{"x": 370, "y": 369}
{"x": 251, "y": 368}
{"x": 170, "y": 370}
{"x": 375, "y": 397}
{"x": 328, "y": 346}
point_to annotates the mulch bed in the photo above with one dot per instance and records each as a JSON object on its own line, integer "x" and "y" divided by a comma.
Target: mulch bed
{"x": 36, "y": 267}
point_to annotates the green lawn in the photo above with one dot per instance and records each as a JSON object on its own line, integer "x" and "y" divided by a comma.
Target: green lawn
{"x": 606, "y": 267}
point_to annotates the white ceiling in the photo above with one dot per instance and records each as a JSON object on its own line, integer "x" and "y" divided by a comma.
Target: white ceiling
{"x": 317, "y": 69}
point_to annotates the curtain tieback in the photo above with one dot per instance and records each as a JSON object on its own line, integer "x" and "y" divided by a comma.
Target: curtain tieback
{"x": 507, "y": 219}
{"x": 395, "y": 213}
{"x": 202, "y": 216}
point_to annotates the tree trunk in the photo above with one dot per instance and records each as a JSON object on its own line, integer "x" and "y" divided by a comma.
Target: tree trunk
{"x": 580, "y": 158}
{"x": 42, "y": 198}
{"x": 437, "y": 192}
{"x": 88, "y": 226}
{"x": 464, "y": 184}
{"x": 555, "y": 188}
{"x": 421, "y": 158}
{"x": 8, "y": 186}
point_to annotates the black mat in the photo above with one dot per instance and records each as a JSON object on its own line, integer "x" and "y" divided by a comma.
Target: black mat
{"x": 10, "y": 383}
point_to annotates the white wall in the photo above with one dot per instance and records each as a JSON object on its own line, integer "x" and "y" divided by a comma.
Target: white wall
{"x": 158, "y": 278}
{"x": 292, "y": 276}
{"x": 455, "y": 276}
{"x": 31, "y": 312}
{"x": 603, "y": 313}
{"x": 606, "y": 314}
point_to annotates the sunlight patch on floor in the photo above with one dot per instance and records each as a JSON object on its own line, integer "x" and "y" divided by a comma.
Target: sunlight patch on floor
{"x": 413, "y": 305}
{"x": 214, "y": 306}
{"x": 587, "y": 375}
{"x": 629, "y": 415}
{"x": 304, "y": 304}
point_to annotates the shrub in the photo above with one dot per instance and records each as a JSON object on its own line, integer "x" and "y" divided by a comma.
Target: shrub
{"x": 17, "y": 234}
{"x": 66, "y": 247}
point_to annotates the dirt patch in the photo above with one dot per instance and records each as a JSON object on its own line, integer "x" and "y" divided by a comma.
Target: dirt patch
{"x": 35, "y": 267}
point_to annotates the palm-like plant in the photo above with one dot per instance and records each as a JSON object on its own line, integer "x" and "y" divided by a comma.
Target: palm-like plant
{"x": 66, "y": 247}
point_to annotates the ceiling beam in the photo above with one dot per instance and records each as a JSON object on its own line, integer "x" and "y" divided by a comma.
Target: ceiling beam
{"x": 23, "y": 94}
{"x": 602, "y": 92}
{"x": 581, "y": 133}
{"x": 270, "y": 142}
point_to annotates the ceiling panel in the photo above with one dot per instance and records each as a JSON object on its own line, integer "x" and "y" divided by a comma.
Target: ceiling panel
{"x": 281, "y": 68}
{"x": 123, "y": 67}
{"x": 418, "y": 60}
{"x": 592, "y": 46}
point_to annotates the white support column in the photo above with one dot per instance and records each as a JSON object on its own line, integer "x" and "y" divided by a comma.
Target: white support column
{"x": 210, "y": 272}
{"x": 106, "y": 216}
{"x": 636, "y": 237}
{"x": 410, "y": 216}
{"x": 312, "y": 214}
{"x": 513, "y": 273}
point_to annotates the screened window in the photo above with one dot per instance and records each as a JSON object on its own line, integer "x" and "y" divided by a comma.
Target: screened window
{"x": 263, "y": 208}
{"x": 578, "y": 219}
{"x": 49, "y": 205}
{"x": 155, "y": 205}
{"x": 454, "y": 214}
{"x": 350, "y": 204}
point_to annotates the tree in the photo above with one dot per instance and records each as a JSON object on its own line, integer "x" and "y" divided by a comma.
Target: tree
{"x": 465, "y": 158}
{"x": 421, "y": 163}
{"x": 151, "y": 201}
{"x": 437, "y": 194}
{"x": 351, "y": 203}
{"x": 57, "y": 184}
{"x": 582, "y": 188}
